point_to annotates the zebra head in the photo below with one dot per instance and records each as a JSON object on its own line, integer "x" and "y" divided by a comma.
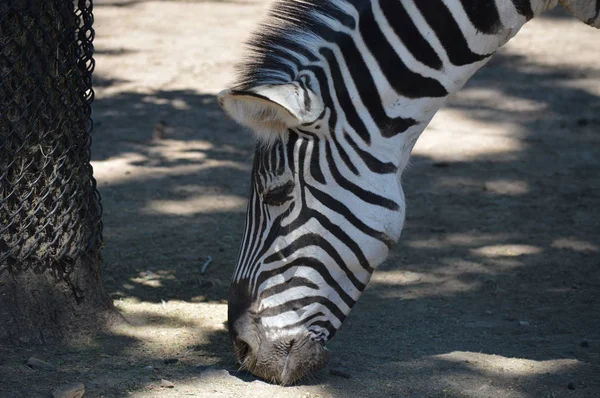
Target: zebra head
{"x": 338, "y": 92}
{"x": 321, "y": 216}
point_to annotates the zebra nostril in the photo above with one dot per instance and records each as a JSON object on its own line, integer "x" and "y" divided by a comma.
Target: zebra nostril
{"x": 242, "y": 350}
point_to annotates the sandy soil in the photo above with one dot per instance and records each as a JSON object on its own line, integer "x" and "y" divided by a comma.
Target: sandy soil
{"x": 493, "y": 291}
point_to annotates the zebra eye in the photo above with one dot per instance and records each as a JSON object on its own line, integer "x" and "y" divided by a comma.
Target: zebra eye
{"x": 278, "y": 195}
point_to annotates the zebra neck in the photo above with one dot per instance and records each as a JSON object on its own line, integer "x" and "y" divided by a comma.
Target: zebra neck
{"x": 457, "y": 39}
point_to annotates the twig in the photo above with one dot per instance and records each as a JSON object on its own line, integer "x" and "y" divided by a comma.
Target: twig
{"x": 208, "y": 260}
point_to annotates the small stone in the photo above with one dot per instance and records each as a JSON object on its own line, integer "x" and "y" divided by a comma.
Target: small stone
{"x": 73, "y": 390}
{"x": 170, "y": 361}
{"x": 584, "y": 344}
{"x": 164, "y": 383}
{"x": 39, "y": 364}
{"x": 160, "y": 130}
{"x": 523, "y": 323}
{"x": 571, "y": 386}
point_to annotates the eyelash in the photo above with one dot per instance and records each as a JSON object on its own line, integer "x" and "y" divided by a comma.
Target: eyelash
{"x": 278, "y": 195}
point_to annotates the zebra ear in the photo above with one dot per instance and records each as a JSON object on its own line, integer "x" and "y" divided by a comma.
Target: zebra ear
{"x": 271, "y": 109}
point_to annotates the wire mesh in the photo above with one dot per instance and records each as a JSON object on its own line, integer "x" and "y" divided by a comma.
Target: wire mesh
{"x": 50, "y": 213}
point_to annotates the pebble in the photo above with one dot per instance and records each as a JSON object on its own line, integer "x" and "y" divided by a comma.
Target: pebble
{"x": 39, "y": 364}
{"x": 73, "y": 390}
{"x": 216, "y": 373}
{"x": 164, "y": 383}
{"x": 170, "y": 361}
{"x": 523, "y": 323}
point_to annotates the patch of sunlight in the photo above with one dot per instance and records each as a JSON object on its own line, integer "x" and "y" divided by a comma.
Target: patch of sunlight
{"x": 162, "y": 158}
{"x": 219, "y": 383}
{"x": 507, "y": 187}
{"x": 168, "y": 321}
{"x": 453, "y": 267}
{"x": 478, "y": 137}
{"x": 198, "y": 205}
{"x": 151, "y": 279}
{"x": 506, "y": 250}
{"x": 575, "y": 245}
{"x": 587, "y": 84}
{"x": 489, "y": 98}
{"x": 419, "y": 285}
{"x": 176, "y": 103}
{"x": 116, "y": 169}
{"x": 453, "y": 240}
{"x": 494, "y": 364}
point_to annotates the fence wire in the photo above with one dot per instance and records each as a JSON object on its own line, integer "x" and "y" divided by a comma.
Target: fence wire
{"x": 50, "y": 213}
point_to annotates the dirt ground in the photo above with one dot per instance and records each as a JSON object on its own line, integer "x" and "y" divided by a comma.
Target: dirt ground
{"x": 494, "y": 290}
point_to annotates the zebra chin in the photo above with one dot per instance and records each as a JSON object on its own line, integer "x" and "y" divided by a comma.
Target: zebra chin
{"x": 277, "y": 356}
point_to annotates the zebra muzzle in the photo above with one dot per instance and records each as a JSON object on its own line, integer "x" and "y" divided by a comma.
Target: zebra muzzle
{"x": 276, "y": 356}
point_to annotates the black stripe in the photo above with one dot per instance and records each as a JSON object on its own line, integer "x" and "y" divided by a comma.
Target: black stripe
{"x": 344, "y": 156}
{"x": 344, "y": 99}
{"x": 280, "y": 159}
{"x": 524, "y": 8}
{"x": 303, "y": 321}
{"x": 251, "y": 226}
{"x": 341, "y": 235}
{"x": 483, "y": 14}
{"x": 323, "y": 82}
{"x": 302, "y": 303}
{"x": 364, "y": 195}
{"x": 306, "y": 96}
{"x": 314, "y": 240}
{"x": 374, "y": 164}
{"x": 315, "y": 161}
{"x": 315, "y": 167}
{"x": 440, "y": 19}
{"x": 593, "y": 19}
{"x": 335, "y": 230}
{"x": 309, "y": 263}
{"x": 340, "y": 208}
{"x": 407, "y": 31}
{"x": 289, "y": 284}
{"x": 367, "y": 90}
{"x": 404, "y": 81}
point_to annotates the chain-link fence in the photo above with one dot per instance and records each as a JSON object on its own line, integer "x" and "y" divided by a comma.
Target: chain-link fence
{"x": 50, "y": 212}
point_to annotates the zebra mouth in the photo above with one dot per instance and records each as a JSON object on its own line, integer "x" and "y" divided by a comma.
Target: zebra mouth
{"x": 285, "y": 361}
{"x": 276, "y": 356}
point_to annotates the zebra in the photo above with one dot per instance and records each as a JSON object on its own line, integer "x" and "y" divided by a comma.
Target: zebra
{"x": 338, "y": 93}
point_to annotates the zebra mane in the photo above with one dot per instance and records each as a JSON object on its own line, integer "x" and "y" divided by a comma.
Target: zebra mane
{"x": 292, "y": 26}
